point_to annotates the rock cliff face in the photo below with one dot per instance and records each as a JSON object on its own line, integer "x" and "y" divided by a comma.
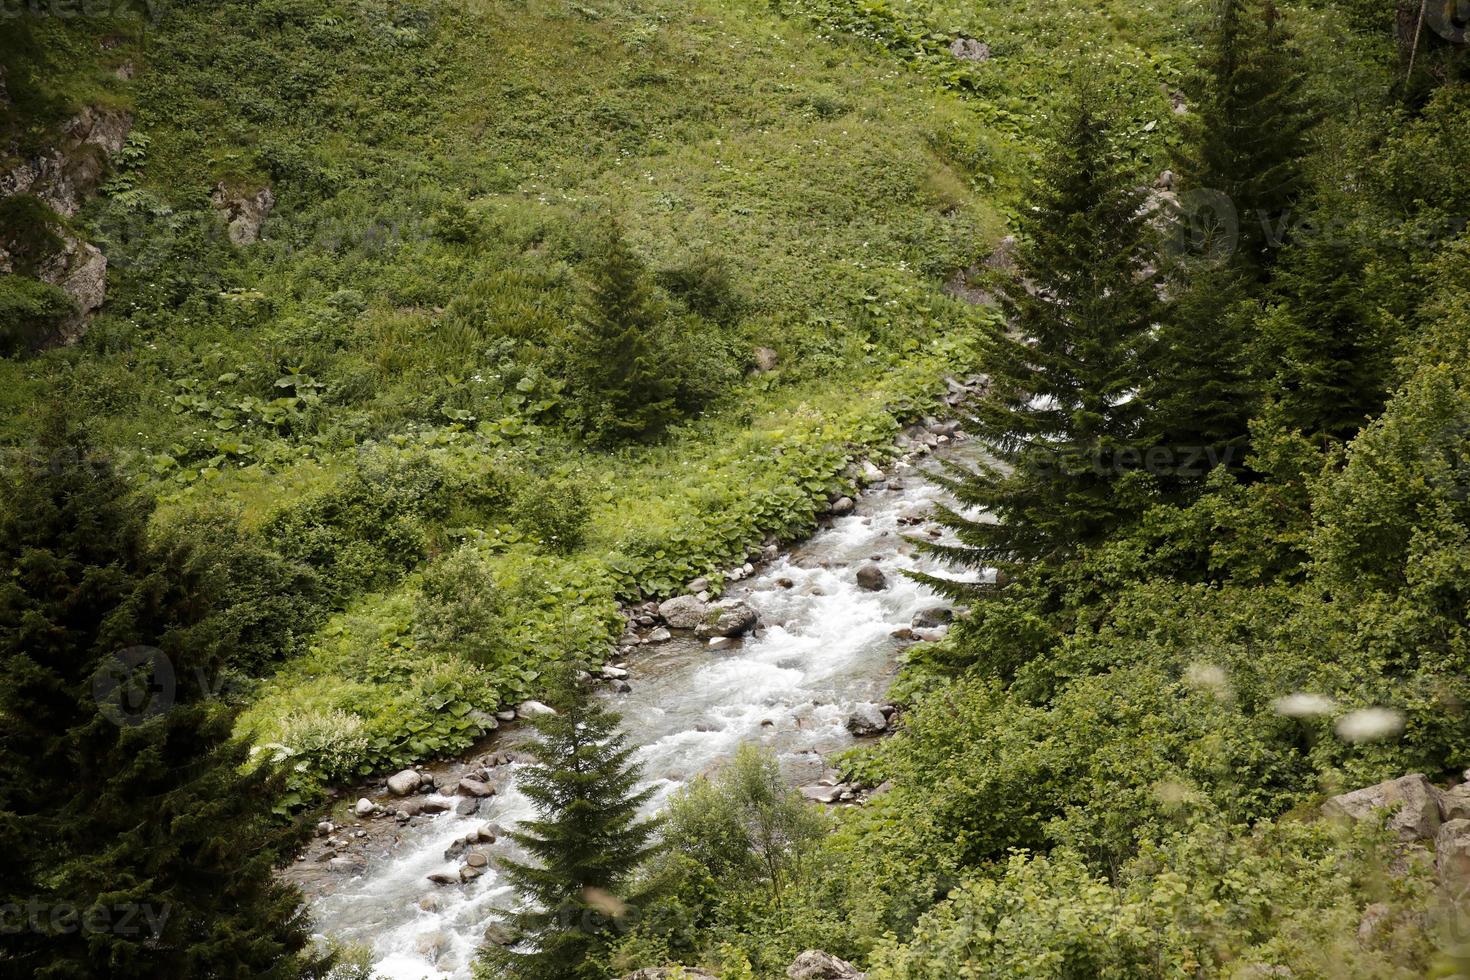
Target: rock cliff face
{"x": 66, "y": 174}
{"x": 62, "y": 177}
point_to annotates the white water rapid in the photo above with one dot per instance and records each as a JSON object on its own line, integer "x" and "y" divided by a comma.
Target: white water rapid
{"x": 824, "y": 646}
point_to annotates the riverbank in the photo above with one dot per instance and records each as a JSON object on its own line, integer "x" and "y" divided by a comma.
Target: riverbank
{"x": 829, "y": 639}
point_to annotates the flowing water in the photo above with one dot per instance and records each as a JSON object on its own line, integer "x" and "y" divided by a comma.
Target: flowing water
{"x": 824, "y": 646}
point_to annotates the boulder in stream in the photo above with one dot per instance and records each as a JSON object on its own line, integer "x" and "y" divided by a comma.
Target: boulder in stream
{"x": 364, "y": 807}
{"x": 729, "y": 619}
{"x": 932, "y": 617}
{"x": 405, "y": 782}
{"x": 684, "y": 612}
{"x": 533, "y": 709}
{"x": 867, "y": 720}
{"x": 870, "y": 578}
{"x": 474, "y": 787}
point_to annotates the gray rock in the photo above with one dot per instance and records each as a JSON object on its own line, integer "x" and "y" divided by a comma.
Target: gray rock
{"x": 456, "y": 850}
{"x": 404, "y": 782}
{"x": 729, "y": 619}
{"x": 433, "y": 806}
{"x": 765, "y": 359}
{"x": 870, "y": 578}
{"x": 468, "y": 873}
{"x": 932, "y": 617}
{"x": 842, "y": 505}
{"x": 345, "y": 865}
{"x": 474, "y": 787}
{"x": 721, "y": 643}
{"x": 867, "y": 720}
{"x": 698, "y": 585}
{"x": 499, "y": 934}
{"x": 506, "y": 715}
{"x": 476, "y": 859}
{"x": 432, "y": 945}
{"x": 440, "y": 878}
{"x": 1454, "y": 804}
{"x": 244, "y": 211}
{"x": 1412, "y": 798}
{"x": 683, "y": 612}
{"x": 533, "y": 709}
{"x": 614, "y": 673}
{"x": 364, "y": 807}
{"x": 817, "y": 965}
{"x": 468, "y": 807}
{"x": 1452, "y": 856}
{"x": 969, "y": 49}
{"x": 871, "y": 473}
{"x": 1372, "y": 922}
{"x": 821, "y": 793}
{"x": 660, "y": 635}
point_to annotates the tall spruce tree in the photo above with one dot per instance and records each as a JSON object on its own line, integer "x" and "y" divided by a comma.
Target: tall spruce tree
{"x": 137, "y": 843}
{"x": 586, "y": 846}
{"x": 1240, "y": 183}
{"x": 1062, "y": 417}
{"x": 615, "y": 338}
{"x": 1247, "y": 136}
{"x": 1203, "y": 386}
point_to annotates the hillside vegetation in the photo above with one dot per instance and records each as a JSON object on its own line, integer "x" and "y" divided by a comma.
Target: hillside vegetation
{"x": 435, "y": 332}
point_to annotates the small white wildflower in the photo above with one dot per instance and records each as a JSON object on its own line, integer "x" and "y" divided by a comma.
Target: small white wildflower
{"x": 1369, "y": 724}
{"x": 1301, "y": 705}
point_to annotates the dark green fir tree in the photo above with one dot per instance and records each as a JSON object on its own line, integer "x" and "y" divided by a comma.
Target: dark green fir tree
{"x": 615, "y": 340}
{"x": 1062, "y": 418}
{"x": 1240, "y": 175}
{"x": 1202, "y": 389}
{"x": 578, "y": 888}
{"x": 138, "y": 843}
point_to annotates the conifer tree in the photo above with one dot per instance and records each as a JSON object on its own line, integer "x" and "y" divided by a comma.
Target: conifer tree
{"x": 1202, "y": 390}
{"x": 137, "y": 843}
{"x": 1249, "y": 134}
{"x": 616, "y": 334}
{"x": 1240, "y": 183}
{"x": 1062, "y": 417}
{"x": 586, "y": 846}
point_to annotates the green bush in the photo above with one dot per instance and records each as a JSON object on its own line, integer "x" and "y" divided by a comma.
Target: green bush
{"x": 30, "y": 312}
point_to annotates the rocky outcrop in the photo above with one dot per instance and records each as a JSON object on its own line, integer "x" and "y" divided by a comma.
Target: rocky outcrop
{"x": 80, "y": 271}
{"x": 244, "y": 211}
{"x": 65, "y": 175}
{"x": 1412, "y": 800}
{"x": 1452, "y": 856}
{"x": 817, "y": 965}
{"x": 969, "y": 49}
